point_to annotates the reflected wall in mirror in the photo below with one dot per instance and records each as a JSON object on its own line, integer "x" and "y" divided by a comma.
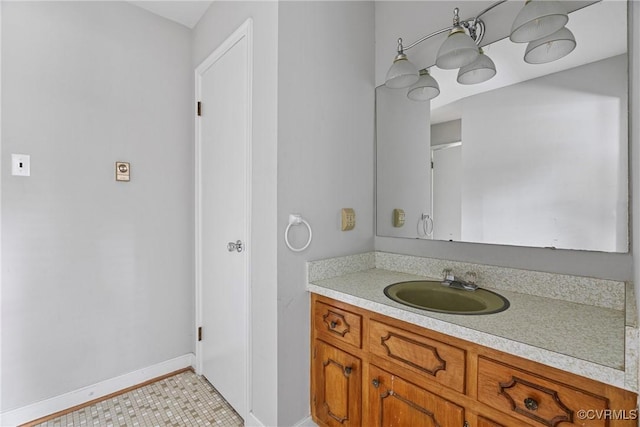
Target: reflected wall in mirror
{"x": 537, "y": 156}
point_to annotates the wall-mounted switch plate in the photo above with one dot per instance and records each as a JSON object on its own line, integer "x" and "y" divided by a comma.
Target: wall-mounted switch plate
{"x": 123, "y": 171}
{"x": 398, "y": 217}
{"x": 20, "y": 165}
{"x": 348, "y": 219}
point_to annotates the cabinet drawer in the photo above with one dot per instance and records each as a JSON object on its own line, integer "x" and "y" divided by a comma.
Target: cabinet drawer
{"x": 337, "y": 324}
{"x": 533, "y": 398}
{"x": 441, "y": 362}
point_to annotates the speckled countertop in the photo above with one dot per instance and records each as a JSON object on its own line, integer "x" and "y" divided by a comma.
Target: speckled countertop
{"x": 583, "y": 339}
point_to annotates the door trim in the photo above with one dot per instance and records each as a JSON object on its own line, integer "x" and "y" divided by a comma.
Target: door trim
{"x": 434, "y": 149}
{"x": 244, "y": 31}
{"x": 438, "y": 147}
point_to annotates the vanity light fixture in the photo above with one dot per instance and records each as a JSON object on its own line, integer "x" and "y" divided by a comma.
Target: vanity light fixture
{"x": 480, "y": 70}
{"x": 538, "y": 19}
{"x": 540, "y": 23}
{"x": 459, "y": 49}
{"x": 425, "y": 88}
{"x": 402, "y": 73}
{"x": 548, "y": 49}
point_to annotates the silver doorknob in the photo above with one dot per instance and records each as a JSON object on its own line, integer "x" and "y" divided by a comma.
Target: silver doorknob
{"x": 237, "y": 246}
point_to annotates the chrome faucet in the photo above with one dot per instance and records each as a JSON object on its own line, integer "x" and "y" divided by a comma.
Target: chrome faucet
{"x": 454, "y": 282}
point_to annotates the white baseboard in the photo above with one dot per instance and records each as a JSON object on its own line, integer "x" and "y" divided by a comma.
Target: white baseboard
{"x": 95, "y": 391}
{"x": 252, "y": 421}
{"x": 307, "y": 422}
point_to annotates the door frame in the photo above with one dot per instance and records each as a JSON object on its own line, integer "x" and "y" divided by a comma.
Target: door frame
{"x": 434, "y": 148}
{"x": 244, "y": 31}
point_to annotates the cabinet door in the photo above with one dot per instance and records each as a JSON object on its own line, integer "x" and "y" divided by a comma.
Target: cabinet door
{"x": 396, "y": 402}
{"x": 338, "y": 386}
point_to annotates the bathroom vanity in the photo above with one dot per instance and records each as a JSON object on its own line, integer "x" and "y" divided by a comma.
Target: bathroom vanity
{"x": 565, "y": 352}
{"x": 375, "y": 362}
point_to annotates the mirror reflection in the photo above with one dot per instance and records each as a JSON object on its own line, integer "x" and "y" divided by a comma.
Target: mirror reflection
{"x": 536, "y": 156}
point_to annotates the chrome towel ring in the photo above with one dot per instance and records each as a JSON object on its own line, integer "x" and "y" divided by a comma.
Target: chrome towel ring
{"x": 296, "y": 219}
{"x": 426, "y": 224}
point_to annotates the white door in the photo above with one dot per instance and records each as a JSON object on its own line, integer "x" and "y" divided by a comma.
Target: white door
{"x": 446, "y": 191}
{"x": 223, "y": 156}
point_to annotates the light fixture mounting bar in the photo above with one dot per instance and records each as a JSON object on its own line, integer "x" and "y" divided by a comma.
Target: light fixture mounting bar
{"x": 427, "y": 37}
{"x": 475, "y": 26}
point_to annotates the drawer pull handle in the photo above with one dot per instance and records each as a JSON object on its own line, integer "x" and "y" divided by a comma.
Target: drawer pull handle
{"x": 333, "y": 324}
{"x": 531, "y": 404}
{"x": 347, "y": 371}
{"x": 376, "y": 383}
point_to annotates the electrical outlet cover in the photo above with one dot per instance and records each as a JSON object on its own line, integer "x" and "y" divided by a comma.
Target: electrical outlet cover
{"x": 20, "y": 165}
{"x": 398, "y": 217}
{"x": 348, "y": 219}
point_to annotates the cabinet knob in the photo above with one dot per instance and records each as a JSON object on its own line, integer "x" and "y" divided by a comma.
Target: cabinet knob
{"x": 375, "y": 383}
{"x": 347, "y": 371}
{"x": 333, "y": 324}
{"x": 531, "y": 404}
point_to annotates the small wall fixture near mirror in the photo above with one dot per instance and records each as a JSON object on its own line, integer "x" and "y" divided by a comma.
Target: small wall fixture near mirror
{"x": 535, "y": 156}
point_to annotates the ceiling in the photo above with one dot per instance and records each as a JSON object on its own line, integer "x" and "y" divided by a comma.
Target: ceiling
{"x": 185, "y": 12}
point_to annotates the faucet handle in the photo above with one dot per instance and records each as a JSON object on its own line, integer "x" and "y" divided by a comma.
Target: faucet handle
{"x": 447, "y": 274}
{"x": 470, "y": 277}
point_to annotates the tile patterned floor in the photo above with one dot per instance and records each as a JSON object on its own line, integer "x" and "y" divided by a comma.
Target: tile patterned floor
{"x": 185, "y": 399}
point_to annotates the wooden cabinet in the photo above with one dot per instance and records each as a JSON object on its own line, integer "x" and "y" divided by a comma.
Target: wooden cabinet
{"x": 338, "y": 376}
{"x": 396, "y": 402}
{"x": 332, "y": 323}
{"x": 534, "y": 398}
{"x": 485, "y": 422}
{"x": 372, "y": 370}
{"x": 433, "y": 359}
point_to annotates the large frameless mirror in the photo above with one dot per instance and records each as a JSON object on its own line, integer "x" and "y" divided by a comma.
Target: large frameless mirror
{"x": 537, "y": 156}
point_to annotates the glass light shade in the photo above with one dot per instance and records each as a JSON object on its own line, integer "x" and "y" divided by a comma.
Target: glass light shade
{"x": 537, "y": 19}
{"x": 550, "y": 48}
{"x": 480, "y": 70}
{"x": 425, "y": 88}
{"x": 402, "y": 73}
{"x": 457, "y": 50}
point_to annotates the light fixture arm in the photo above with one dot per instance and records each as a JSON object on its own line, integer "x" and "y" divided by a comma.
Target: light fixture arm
{"x": 417, "y": 42}
{"x": 475, "y": 26}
